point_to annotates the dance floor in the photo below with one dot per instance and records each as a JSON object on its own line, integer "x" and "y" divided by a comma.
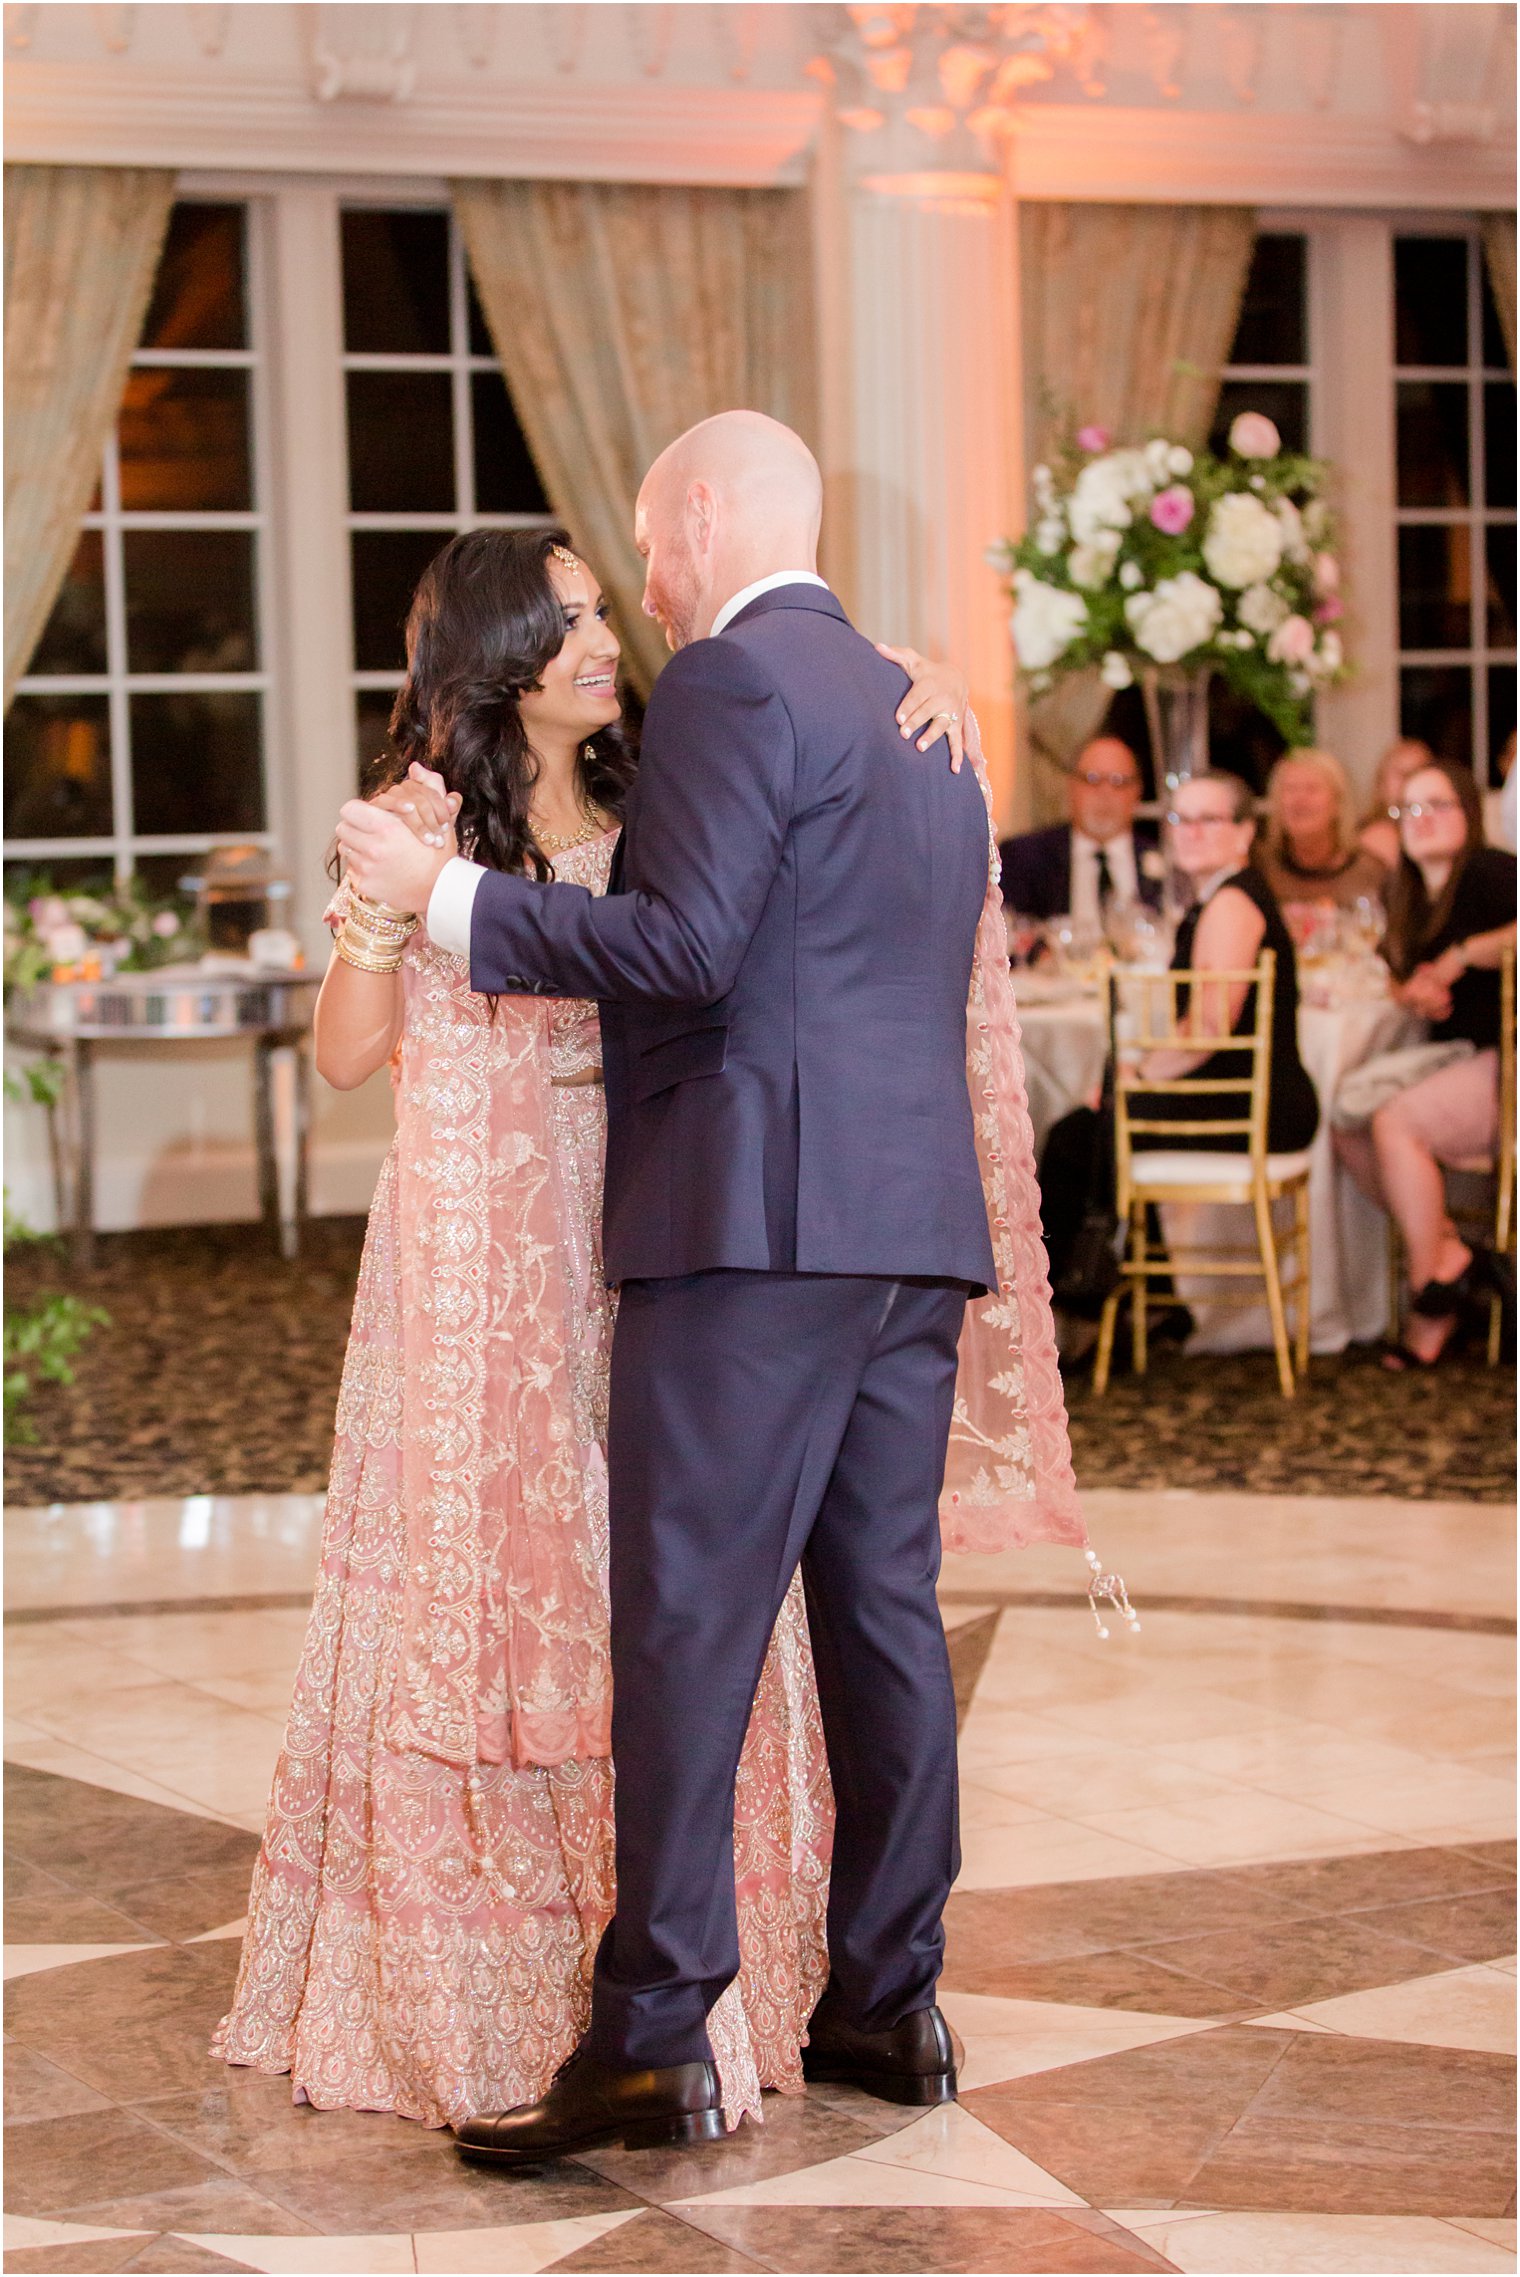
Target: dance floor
{"x": 1231, "y": 1953}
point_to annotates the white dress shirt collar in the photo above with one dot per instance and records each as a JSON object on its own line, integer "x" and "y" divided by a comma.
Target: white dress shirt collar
{"x": 742, "y": 599}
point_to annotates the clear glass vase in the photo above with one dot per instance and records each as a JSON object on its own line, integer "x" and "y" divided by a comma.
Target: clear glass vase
{"x": 1177, "y": 716}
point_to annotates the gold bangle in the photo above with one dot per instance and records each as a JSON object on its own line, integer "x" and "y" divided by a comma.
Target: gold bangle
{"x": 380, "y": 913}
{"x": 365, "y": 960}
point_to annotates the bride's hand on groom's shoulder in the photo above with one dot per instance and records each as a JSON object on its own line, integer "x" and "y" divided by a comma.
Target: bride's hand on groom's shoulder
{"x": 935, "y": 705}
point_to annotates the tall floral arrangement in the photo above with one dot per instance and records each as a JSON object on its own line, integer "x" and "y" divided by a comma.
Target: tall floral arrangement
{"x": 1156, "y": 556}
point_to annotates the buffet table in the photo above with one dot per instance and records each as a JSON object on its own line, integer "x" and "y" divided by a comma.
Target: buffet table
{"x": 72, "y": 1021}
{"x": 1065, "y": 1039}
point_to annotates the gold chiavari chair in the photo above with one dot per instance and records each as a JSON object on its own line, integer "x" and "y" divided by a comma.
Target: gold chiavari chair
{"x": 1500, "y": 1166}
{"x": 1190, "y": 1011}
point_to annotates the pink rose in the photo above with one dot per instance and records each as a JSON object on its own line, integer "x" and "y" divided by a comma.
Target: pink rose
{"x": 1172, "y": 509}
{"x": 1293, "y": 641}
{"x": 1329, "y": 610}
{"x": 1327, "y": 573}
{"x": 1092, "y": 438}
{"x": 1253, "y": 436}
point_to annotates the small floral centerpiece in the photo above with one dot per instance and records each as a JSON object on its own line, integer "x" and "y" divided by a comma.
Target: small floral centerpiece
{"x": 77, "y": 935}
{"x": 1155, "y": 559}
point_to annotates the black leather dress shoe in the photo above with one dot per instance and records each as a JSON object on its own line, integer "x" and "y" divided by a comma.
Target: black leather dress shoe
{"x": 589, "y": 2103}
{"x": 913, "y": 2062}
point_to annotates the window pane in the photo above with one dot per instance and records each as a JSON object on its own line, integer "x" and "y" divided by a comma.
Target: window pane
{"x": 1432, "y": 444}
{"x": 506, "y": 480}
{"x": 183, "y": 437}
{"x": 198, "y": 296}
{"x": 196, "y": 762}
{"x": 481, "y": 343}
{"x": 58, "y": 767}
{"x": 190, "y": 601}
{"x": 372, "y": 712}
{"x": 1501, "y": 587}
{"x": 396, "y": 283}
{"x": 387, "y": 565}
{"x": 400, "y": 443}
{"x": 1271, "y": 328}
{"x": 81, "y": 873}
{"x": 1435, "y": 705}
{"x": 1285, "y": 402}
{"x": 1501, "y": 712}
{"x": 1430, "y": 300}
{"x": 1499, "y": 442}
{"x": 74, "y": 638}
{"x": 1435, "y": 585}
{"x": 166, "y": 874}
{"x": 1495, "y": 353}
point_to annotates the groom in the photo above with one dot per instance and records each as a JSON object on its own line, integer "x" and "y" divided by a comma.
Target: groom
{"x": 795, "y": 1217}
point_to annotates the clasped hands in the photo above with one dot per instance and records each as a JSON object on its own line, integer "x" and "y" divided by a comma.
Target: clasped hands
{"x": 394, "y": 844}
{"x": 1428, "y": 989}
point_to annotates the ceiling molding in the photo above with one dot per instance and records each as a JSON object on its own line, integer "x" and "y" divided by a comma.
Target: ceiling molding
{"x": 1248, "y": 158}
{"x": 78, "y": 114}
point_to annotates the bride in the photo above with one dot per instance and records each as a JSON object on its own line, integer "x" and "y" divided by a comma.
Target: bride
{"x": 436, "y": 1868}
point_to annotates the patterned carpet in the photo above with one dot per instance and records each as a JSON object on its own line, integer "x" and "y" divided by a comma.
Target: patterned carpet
{"x": 219, "y": 1374}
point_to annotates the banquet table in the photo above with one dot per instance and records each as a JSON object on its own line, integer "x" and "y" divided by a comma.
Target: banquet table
{"x": 1063, "y": 1025}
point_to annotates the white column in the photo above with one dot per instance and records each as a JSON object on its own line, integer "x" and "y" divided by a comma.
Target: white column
{"x": 934, "y": 443}
{"x": 310, "y": 501}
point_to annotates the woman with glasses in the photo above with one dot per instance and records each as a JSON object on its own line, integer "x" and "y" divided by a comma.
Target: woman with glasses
{"x": 1451, "y": 916}
{"x": 1210, "y": 830}
{"x": 1233, "y": 918}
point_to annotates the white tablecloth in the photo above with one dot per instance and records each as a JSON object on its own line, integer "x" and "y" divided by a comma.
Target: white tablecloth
{"x": 1064, "y": 1043}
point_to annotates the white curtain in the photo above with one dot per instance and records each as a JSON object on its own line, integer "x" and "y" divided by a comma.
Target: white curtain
{"x": 624, "y": 313}
{"x": 81, "y": 250}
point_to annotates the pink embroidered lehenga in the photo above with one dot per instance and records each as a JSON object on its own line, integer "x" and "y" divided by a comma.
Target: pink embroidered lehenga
{"x": 437, "y": 1863}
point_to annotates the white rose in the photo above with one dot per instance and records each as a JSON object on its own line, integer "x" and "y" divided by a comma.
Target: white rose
{"x": 1244, "y": 542}
{"x": 1131, "y": 576}
{"x": 1045, "y": 620}
{"x": 1327, "y": 658}
{"x": 1104, "y": 489}
{"x": 1262, "y": 609}
{"x": 1050, "y": 534}
{"x": 1115, "y": 672}
{"x": 1294, "y": 545}
{"x": 1158, "y": 460}
{"x": 1178, "y": 617}
{"x": 1179, "y": 459}
{"x": 1093, "y": 565}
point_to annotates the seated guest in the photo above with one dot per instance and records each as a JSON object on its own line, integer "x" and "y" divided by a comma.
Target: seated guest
{"x": 1234, "y": 917}
{"x": 1079, "y": 868}
{"x": 1451, "y": 915}
{"x": 1380, "y": 824}
{"x": 1310, "y": 854}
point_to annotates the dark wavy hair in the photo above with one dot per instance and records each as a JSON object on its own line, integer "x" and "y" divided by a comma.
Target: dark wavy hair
{"x": 1414, "y": 919}
{"x": 484, "y": 622}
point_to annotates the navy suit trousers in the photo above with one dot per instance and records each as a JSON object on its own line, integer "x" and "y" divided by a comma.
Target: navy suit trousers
{"x": 759, "y": 1420}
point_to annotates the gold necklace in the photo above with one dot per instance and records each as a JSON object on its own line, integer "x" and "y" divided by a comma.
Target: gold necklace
{"x": 594, "y": 826}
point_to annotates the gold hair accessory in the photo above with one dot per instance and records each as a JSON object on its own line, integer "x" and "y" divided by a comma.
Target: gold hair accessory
{"x": 563, "y": 553}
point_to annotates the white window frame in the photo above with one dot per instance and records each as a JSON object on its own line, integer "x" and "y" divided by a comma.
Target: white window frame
{"x": 461, "y": 364}
{"x": 1479, "y": 517}
{"x": 124, "y": 844}
{"x": 1307, "y": 373}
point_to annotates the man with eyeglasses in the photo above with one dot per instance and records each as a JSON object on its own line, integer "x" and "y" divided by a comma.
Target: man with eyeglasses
{"x": 1097, "y": 860}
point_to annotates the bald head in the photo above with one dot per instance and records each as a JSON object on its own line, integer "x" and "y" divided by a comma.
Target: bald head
{"x": 735, "y": 499}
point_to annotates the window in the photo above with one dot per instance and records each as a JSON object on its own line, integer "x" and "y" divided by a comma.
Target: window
{"x": 1455, "y": 447}
{"x": 137, "y": 734}
{"x": 433, "y": 441}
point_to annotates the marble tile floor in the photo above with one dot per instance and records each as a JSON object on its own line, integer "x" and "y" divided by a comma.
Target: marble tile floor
{"x": 1230, "y": 1952}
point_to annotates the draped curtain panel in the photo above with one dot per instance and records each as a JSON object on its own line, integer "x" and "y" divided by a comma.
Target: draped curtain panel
{"x": 622, "y": 314}
{"x": 81, "y": 251}
{"x": 1128, "y": 315}
{"x": 1499, "y": 253}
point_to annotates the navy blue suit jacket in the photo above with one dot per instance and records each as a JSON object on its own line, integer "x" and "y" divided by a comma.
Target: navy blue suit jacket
{"x": 1037, "y": 870}
{"x": 783, "y": 963}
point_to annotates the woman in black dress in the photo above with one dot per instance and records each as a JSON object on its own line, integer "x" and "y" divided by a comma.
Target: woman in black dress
{"x": 1234, "y": 917}
{"x": 1451, "y": 915}
{"x": 1210, "y": 829}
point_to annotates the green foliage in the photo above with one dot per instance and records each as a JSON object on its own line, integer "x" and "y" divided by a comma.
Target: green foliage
{"x": 41, "y": 1337}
